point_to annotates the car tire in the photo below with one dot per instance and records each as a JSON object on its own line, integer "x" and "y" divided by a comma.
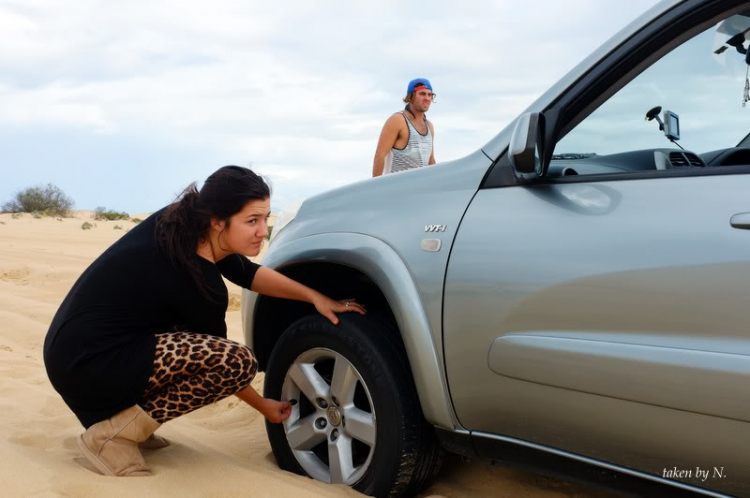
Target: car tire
{"x": 431, "y": 453}
{"x": 398, "y": 457}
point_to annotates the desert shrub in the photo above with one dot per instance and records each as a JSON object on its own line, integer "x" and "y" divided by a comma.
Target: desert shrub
{"x": 117, "y": 227}
{"x": 103, "y": 213}
{"x": 270, "y": 229}
{"x": 15, "y": 216}
{"x": 48, "y": 201}
{"x": 136, "y": 220}
{"x": 86, "y": 226}
{"x": 37, "y": 214}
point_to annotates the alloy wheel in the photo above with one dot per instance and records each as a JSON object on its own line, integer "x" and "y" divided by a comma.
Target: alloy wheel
{"x": 332, "y": 428}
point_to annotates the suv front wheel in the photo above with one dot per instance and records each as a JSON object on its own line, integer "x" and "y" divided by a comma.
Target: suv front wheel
{"x": 356, "y": 418}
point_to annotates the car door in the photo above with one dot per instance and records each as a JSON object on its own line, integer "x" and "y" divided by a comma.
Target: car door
{"x": 605, "y": 314}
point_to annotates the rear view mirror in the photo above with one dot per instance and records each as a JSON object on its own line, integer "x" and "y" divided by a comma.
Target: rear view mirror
{"x": 523, "y": 146}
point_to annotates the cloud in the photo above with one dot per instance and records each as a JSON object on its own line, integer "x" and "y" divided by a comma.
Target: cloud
{"x": 299, "y": 89}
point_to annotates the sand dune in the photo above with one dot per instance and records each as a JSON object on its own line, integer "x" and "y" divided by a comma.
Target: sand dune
{"x": 220, "y": 450}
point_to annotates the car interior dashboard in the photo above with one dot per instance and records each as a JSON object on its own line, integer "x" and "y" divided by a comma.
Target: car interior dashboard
{"x": 644, "y": 160}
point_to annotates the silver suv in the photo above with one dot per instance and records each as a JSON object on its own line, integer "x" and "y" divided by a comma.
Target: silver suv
{"x": 573, "y": 296}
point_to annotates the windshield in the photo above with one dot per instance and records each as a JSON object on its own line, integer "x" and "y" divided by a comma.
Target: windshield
{"x": 703, "y": 81}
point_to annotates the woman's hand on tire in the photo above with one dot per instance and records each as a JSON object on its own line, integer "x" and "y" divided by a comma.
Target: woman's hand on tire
{"x": 328, "y": 307}
{"x": 276, "y": 411}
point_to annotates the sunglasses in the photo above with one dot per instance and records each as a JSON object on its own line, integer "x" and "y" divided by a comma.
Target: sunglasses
{"x": 429, "y": 94}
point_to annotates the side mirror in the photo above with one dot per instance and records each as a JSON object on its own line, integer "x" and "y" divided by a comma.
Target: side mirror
{"x": 523, "y": 146}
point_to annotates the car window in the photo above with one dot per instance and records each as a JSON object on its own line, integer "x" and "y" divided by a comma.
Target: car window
{"x": 699, "y": 94}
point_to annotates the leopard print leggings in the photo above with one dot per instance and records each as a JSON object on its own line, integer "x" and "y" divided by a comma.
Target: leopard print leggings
{"x": 195, "y": 370}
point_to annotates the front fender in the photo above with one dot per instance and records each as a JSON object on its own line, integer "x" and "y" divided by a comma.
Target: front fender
{"x": 386, "y": 268}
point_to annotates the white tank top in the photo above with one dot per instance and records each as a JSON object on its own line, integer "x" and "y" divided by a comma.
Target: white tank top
{"x": 415, "y": 154}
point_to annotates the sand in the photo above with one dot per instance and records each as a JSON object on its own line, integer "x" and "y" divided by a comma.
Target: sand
{"x": 219, "y": 450}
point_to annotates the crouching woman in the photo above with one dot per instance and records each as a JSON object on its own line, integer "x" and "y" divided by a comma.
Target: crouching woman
{"x": 140, "y": 339}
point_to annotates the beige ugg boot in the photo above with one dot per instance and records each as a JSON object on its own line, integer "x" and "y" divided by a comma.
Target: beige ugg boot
{"x": 154, "y": 442}
{"x": 112, "y": 444}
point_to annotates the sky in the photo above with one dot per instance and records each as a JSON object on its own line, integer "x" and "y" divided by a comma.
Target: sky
{"x": 123, "y": 104}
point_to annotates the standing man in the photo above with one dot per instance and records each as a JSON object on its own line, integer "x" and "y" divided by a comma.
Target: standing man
{"x": 407, "y": 136}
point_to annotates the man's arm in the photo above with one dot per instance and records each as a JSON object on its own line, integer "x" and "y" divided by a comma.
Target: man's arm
{"x": 432, "y": 153}
{"x": 386, "y": 142}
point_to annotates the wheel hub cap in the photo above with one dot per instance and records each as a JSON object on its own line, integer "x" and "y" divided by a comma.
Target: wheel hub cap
{"x": 334, "y": 416}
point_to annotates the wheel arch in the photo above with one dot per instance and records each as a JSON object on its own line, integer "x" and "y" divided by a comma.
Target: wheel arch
{"x": 344, "y": 265}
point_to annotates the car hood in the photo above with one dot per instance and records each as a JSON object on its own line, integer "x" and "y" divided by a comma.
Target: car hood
{"x": 364, "y": 206}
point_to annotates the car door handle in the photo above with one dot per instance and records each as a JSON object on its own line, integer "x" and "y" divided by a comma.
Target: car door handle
{"x": 740, "y": 220}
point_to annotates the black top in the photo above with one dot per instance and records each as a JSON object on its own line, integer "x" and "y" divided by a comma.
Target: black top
{"x": 99, "y": 349}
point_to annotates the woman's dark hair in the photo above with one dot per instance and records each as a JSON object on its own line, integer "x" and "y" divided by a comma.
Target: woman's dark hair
{"x": 187, "y": 221}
